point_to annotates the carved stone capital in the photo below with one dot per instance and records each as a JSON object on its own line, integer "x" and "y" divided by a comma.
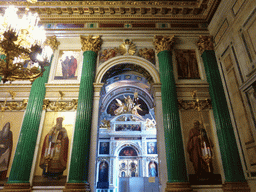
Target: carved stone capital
{"x": 205, "y": 43}
{"x": 236, "y": 186}
{"x": 17, "y": 187}
{"x": 178, "y": 187}
{"x": 90, "y": 43}
{"x": 77, "y": 187}
{"x": 163, "y": 43}
{"x": 52, "y": 42}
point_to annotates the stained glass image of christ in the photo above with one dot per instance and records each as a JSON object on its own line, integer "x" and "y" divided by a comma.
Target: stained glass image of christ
{"x": 67, "y": 65}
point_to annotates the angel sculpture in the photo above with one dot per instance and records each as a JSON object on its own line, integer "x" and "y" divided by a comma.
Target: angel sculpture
{"x": 121, "y": 108}
{"x": 135, "y": 110}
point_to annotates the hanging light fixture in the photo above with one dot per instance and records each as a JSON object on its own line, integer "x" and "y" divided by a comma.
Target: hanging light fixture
{"x": 22, "y": 49}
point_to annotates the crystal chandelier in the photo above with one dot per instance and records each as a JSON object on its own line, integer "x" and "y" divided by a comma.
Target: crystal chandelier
{"x": 23, "y": 54}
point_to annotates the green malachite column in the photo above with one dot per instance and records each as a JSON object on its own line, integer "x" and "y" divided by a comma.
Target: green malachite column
{"x": 177, "y": 174}
{"x": 78, "y": 174}
{"x": 22, "y": 162}
{"x": 1, "y": 57}
{"x": 233, "y": 170}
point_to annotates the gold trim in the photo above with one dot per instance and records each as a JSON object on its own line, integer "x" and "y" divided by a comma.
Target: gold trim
{"x": 163, "y": 43}
{"x": 178, "y": 187}
{"x": 90, "y": 43}
{"x": 205, "y": 43}
{"x": 197, "y": 105}
{"x": 60, "y": 105}
{"x": 13, "y": 105}
{"x": 236, "y": 186}
{"x": 52, "y": 42}
{"x": 17, "y": 187}
{"x": 77, "y": 187}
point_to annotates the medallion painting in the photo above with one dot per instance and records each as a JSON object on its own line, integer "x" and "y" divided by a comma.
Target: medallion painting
{"x": 55, "y": 144}
{"x": 104, "y": 148}
{"x": 68, "y": 65}
{"x": 187, "y": 65}
{"x": 151, "y": 148}
{"x": 10, "y": 124}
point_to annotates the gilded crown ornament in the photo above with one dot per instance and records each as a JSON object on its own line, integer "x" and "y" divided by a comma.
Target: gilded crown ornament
{"x": 127, "y": 48}
{"x": 205, "y": 43}
{"x": 90, "y": 43}
{"x": 163, "y": 43}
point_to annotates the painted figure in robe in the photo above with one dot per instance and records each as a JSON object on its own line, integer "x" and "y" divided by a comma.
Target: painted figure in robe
{"x": 55, "y": 151}
{"x": 199, "y": 148}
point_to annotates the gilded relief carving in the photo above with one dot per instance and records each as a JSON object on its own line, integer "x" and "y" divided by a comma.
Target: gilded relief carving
{"x": 205, "y": 43}
{"x": 163, "y": 43}
{"x": 90, "y": 43}
{"x": 148, "y": 54}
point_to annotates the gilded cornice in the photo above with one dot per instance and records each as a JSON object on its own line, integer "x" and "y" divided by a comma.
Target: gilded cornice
{"x": 90, "y": 43}
{"x": 66, "y": 11}
{"x": 163, "y": 43}
{"x": 205, "y": 43}
{"x": 52, "y": 42}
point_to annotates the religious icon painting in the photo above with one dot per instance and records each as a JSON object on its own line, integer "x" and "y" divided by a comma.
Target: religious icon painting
{"x": 151, "y": 148}
{"x": 54, "y": 150}
{"x": 10, "y": 124}
{"x": 68, "y": 65}
{"x": 187, "y": 65}
{"x": 104, "y": 148}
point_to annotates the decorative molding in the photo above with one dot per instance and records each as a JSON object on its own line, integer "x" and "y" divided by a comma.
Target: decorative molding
{"x": 60, "y": 105}
{"x": 163, "y": 43}
{"x": 197, "y": 105}
{"x": 13, "y": 105}
{"x": 90, "y": 43}
{"x": 205, "y": 43}
{"x": 127, "y": 48}
{"x": 52, "y": 42}
{"x": 146, "y": 53}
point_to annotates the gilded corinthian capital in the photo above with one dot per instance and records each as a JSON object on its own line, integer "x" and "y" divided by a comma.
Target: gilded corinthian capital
{"x": 90, "y": 43}
{"x": 52, "y": 42}
{"x": 205, "y": 43}
{"x": 163, "y": 43}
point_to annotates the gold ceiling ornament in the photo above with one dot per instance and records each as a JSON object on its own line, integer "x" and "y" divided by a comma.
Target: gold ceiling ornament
{"x": 127, "y": 48}
{"x": 60, "y": 105}
{"x": 90, "y": 43}
{"x": 52, "y": 42}
{"x": 21, "y": 43}
{"x": 163, "y": 43}
{"x": 205, "y": 43}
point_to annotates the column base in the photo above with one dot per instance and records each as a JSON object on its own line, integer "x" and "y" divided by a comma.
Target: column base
{"x": 178, "y": 187}
{"x": 22, "y": 187}
{"x": 76, "y": 187}
{"x": 236, "y": 186}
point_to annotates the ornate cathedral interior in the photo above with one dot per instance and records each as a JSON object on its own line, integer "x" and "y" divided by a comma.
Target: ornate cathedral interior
{"x": 128, "y": 96}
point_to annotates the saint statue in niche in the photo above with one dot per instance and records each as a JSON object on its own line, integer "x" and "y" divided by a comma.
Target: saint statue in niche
{"x": 55, "y": 151}
{"x": 199, "y": 148}
{"x": 187, "y": 64}
{"x": 6, "y": 142}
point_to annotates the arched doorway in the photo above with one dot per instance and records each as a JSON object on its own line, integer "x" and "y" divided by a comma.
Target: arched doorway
{"x": 127, "y": 130}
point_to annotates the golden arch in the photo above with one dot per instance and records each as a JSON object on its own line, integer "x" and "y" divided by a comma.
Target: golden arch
{"x": 104, "y": 67}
